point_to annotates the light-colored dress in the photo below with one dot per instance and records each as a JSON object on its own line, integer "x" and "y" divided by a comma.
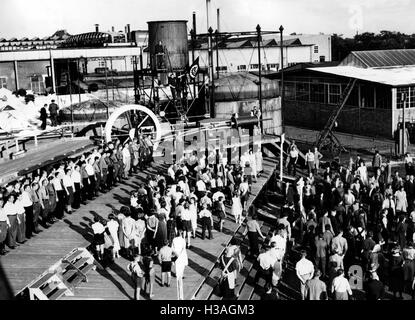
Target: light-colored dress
{"x": 363, "y": 174}
{"x": 113, "y": 226}
{"x": 193, "y": 216}
{"x": 179, "y": 249}
{"x": 128, "y": 228}
{"x": 236, "y": 207}
{"x": 401, "y": 201}
{"x": 252, "y": 163}
{"x": 259, "y": 159}
{"x": 121, "y": 218}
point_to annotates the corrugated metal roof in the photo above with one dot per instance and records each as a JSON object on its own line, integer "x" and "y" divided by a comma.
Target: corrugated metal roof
{"x": 398, "y": 76}
{"x": 239, "y": 44}
{"x": 386, "y": 58}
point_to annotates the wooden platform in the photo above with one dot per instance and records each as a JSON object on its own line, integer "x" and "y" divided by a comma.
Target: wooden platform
{"x": 46, "y": 152}
{"x": 31, "y": 259}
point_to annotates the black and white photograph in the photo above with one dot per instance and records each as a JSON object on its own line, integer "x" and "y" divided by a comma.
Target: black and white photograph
{"x": 207, "y": 151}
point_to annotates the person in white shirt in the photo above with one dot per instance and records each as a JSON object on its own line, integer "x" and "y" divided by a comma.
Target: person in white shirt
{"x": 4, "y": 226}
{"x": 69, "y": 187}
{"x": 266, "y": 262}
{"x": 28, "y": 206}
{"x": 77, "y": 182}
{"x": 21, "y": 219}
{"x": 179, "y": 251}
{"x": 305, "y": 271}
{"x": 340, "y": 287}
{"x": 10, "y": 210}
{"x": 309, "y": 157}
{"x": 292, "y": 164}
{"x": 244, "y": 192}
{"x": 126, "y": 159}
{"x": 186, "y": 218}
{"x": 200, "y": 186}
{"x": 217, "y": 195}
{"x": 207, "y": 221}
{"x": 193, "y": 216}
{"x": 98, "y": 230}
{"x": 113, "y": 226}
{"x": 236, "y": 207}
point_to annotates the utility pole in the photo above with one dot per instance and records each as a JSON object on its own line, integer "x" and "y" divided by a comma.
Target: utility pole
{"x": 193, "y": 36}
{"x": 70, "y": 92}
{"x": 106, "y": 88}
{"x": 281, "y": 157}
{"x": 404, "y": 98}
{"x": 217, "y": 53}
{"x": 207, "y": 13}
{"x": 258, "y": 29}
{"x": 211, "y": 75}
{"x": 282, "y": 90}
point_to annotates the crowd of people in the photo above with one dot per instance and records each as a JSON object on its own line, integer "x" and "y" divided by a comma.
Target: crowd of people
{"x": 352, "y": 225}
{"x": 46, "y": 195}
{"x": 340, "y": 217}
{"x": 167, "y": 211}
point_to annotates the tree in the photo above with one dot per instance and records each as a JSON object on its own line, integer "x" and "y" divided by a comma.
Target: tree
{"x": 384, "y": 40}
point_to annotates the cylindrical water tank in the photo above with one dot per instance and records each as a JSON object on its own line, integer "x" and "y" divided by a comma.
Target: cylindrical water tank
{"x": 171, "y": 37}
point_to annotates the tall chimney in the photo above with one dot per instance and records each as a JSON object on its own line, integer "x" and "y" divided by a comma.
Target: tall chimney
{"x": 128, "y": 33}
{"x": 194, "y": 22}
{"x": 218, "y": 17}
{"x": 96, "y": 27}
{"x": 207, "y": 13}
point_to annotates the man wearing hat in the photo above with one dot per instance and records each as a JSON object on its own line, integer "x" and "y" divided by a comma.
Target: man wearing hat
{"x": 53, "y": 112}
{"x": 305, "y": 271}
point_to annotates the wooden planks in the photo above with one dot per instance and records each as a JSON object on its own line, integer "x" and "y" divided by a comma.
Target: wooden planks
{"x": 51, "y": 245}
{"x": 43, "y": 154}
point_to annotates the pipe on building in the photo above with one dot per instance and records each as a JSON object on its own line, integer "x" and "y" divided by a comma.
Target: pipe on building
{"x": 16, "y": 75}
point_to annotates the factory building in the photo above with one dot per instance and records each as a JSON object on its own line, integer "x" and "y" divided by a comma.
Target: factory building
{"x": 385, "y": 82}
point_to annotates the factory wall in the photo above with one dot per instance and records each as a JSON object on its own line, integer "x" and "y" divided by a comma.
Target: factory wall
{"x": 246, "y": 59}
{"x": 271, "y": 108}
{"x": 361, "y": 121}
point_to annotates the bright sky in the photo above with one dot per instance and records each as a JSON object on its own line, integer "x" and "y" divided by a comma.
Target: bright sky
{"x": 29, "y": 18}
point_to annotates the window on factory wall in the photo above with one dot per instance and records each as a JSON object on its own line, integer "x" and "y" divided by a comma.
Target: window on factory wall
{"x": 383, "y": 98}
{"x": 101, "y": 63}
{"x": 222, "y": 68}
{"x": 3, "y": 82}
{"x": 410, "y": 94}
{"x": 334, "y": 93}
{"x": 315, "y": 49}
{"x": 317, "y": 93}
{"x": 367, "y": 96}
{"x": 303, "y": 91}
{"x": 254, "y": 66}
{"x": 272, "y": 66}
{"x": 242, "y": 67}
{"x": 289, "y": 90}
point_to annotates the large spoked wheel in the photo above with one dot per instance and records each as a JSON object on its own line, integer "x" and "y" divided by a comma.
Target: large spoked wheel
{"x": 127, "y": 120}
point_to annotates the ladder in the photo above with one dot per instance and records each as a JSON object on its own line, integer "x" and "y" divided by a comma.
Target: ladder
{"x": 326, "y": 136}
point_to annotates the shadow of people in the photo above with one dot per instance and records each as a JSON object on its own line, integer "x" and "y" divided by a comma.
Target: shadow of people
{"x": 82, "y": 229}
{"x": 103, "y": 272}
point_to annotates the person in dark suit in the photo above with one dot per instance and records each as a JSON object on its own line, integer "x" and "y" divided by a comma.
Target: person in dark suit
{"x": 43, "y": 117}
{"x": 375, "y": 290}
{"x": 53, "y": 112}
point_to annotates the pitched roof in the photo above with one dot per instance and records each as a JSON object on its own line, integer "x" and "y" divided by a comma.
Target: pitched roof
{"x": 397, "y": 76}
{"x": 381, "y": 58}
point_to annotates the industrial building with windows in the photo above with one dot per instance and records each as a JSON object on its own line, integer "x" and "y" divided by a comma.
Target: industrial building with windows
{"x": 374, "y": 107}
